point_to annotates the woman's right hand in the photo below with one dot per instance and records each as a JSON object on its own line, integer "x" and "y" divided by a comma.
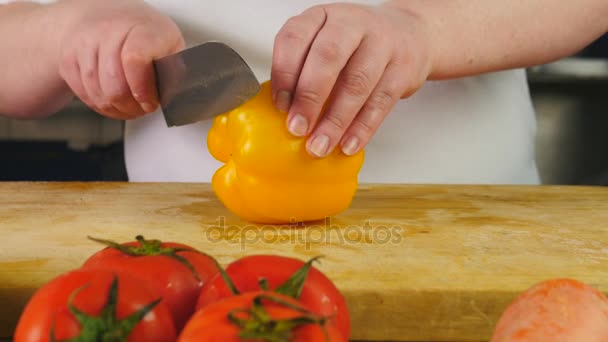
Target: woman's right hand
{"x": 107, "y": 52}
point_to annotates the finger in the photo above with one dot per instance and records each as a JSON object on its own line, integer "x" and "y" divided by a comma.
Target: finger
{"x": 140, "y": 48}
{"x": 352, "y": 89}
{"x": 291, "y": 46}
{"x": 140, "y": 78}
{"x": 89, "y": 77}
{"x": 112, "y": 78}
{"x": 328, "y": 55}
{"x": 70, "y": 72}
{"x": 379, "y": 104}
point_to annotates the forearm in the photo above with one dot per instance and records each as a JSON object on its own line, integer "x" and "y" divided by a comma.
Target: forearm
{"x": 469, "y": 37}
{"x": 30, "y": 84}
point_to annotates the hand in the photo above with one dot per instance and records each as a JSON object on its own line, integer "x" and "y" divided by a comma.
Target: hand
{"x": 366, "y": 57}
{"x": 106, "y": 55}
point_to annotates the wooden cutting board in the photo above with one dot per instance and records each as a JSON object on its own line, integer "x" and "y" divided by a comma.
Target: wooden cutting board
{"x": 434, "y": 263}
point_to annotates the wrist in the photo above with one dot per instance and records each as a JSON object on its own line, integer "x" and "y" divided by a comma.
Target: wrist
{"x": 421, "y": 28}
{"x": 55, "y": 21}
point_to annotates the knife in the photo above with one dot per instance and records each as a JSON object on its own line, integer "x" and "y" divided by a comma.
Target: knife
{"x": 202, "y": 82}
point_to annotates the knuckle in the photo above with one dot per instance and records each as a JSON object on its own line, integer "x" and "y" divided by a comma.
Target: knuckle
{"x": 357, "y": 83}
{"x": 336, "y": 121}
{"x": 291, "y": 33}
{"x": 382, "y": 100}
{"x": 365, "y": 128}
{"x": 310, "y": 96}
{"x": 329, "y": 52}
{"x": 284, "y": 76}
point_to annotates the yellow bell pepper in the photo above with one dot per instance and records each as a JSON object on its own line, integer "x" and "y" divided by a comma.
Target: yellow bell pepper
{"x": 268, "y": 176}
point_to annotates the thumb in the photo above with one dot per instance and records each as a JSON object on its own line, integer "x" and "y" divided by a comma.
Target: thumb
{"x": 141, "y": 47}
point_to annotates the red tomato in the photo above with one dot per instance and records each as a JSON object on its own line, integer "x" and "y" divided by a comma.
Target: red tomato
{"x": 318, "y": 293}
{"x": 49, "y": 310}
{"x": 161, "y": 266}
{"x": 213, "y": 323}
{"x": 555, "y": 310}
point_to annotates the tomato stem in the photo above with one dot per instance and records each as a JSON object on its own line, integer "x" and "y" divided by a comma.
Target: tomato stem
{"x": 255, "y": 323}
{"x": 227, "y": 280}
{"x": 293, "y": 286}
{"x": 263, "y": 284}
{"x": 155, "y": 247}
{"x": 151, "y": 247}
{"x": 106, "y": 327}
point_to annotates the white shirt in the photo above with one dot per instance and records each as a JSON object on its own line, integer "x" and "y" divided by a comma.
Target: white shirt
{"x": 473, "y": 130}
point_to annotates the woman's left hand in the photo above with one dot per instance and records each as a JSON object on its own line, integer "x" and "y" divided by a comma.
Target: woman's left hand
{"x": 366, "y": 57}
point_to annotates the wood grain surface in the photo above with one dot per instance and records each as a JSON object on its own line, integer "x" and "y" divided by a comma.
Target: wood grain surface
{"x": 416, "y": 263}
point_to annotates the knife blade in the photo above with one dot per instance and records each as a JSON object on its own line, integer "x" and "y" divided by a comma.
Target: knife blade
{"x": 202, "y": 82}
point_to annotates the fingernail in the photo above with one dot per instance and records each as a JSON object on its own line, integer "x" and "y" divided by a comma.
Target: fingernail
{"x": 283, "y": 101}
{"x": 148, "y": 107}
{"x": 298, "y": 125}
{"x": 319, "y": 145}
{"x": 351, "y": 145}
